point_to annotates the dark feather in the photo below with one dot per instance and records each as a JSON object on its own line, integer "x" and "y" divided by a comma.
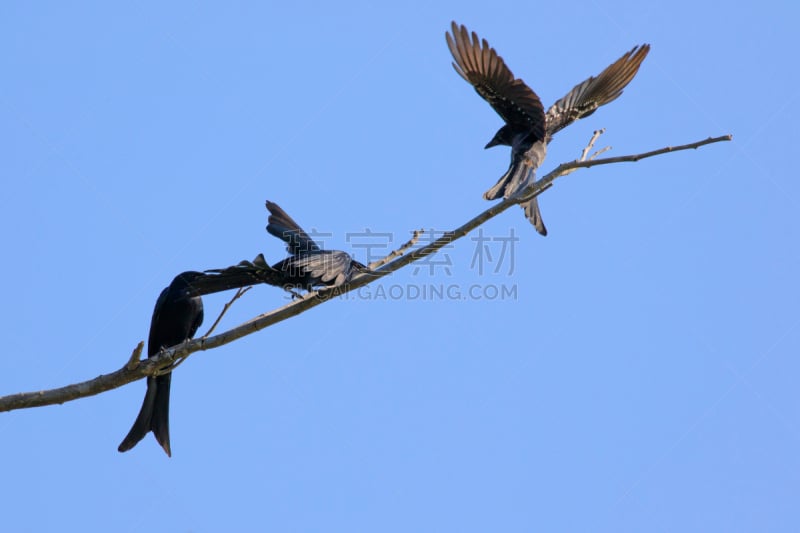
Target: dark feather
{"x": 309, "y": 266}
{"x": 485, "y": 70}
{"x": 176, "y": 317}
{"x": 237, "y": 276}
{"x": 282, "y": 226}
{"x": 587, "y": 96}
{"x": 328, "y": 268}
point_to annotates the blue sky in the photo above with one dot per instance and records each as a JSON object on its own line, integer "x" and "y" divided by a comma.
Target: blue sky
{"x": 644, "y": 378}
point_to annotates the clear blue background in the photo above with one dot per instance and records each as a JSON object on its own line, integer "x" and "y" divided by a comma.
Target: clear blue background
{"x": 644, "y": 380}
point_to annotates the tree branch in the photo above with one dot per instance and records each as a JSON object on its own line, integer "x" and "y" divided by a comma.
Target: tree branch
{"x": 134, "y": 369}
{"x": 400, "y": 251}
{"x": 637, "y": 157}
{"x": 239, "y": 293}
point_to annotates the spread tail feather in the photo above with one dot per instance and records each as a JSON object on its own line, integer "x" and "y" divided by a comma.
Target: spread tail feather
{"x": 532, "y": 213}
{"x": 154, "y": 415}
{"x": 509, "y": 183}
{"x": 499, "y": 188}
{"x": 159, "y": 423}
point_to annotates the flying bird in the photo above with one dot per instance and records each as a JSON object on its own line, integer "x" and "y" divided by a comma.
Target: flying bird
{"x": 309, "y": 266}
{"x": 177, "y": 315}
{"x": 528, "y": 129}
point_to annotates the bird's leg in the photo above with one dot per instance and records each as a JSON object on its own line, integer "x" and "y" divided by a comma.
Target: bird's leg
{"x": 171, "y": 367}
{"x": 295, "y": 295}
{"x": 180, "y": 360}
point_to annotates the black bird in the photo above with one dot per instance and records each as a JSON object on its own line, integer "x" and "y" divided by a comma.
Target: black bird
{"x": 528, "y": 129}
{"x": 309, "y": 266}
{"x": 177, "y": 315}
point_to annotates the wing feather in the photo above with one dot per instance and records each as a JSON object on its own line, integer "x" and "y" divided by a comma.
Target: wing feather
{"x": 587, "y": 96}
{"x": 480, "y": 65}
{"x": 282, "y": 226}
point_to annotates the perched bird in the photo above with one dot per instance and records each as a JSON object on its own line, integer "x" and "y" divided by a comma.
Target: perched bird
{"x": 528, "y": 129}
{"x": 177, "y": 315}
{"x": 309, "y": 266}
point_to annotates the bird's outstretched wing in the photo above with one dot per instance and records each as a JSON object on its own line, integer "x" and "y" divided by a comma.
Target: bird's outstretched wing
{"x": 282, "y": 226}
{"x": 479, "y": 64}
{"x": 587, "y": 96}
{"x": 235, "y": 277}
{"x": 326, "y": 268}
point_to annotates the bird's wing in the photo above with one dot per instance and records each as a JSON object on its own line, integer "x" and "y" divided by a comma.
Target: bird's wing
{"x": 152, "y": 343}
{"x": 330, "y": 268}
{"x": 479, "y": 64}
{"x": 282, "y": 226}
{"x": 177, "y": 314}
{"x": 587, "y": 96}
{"x": 237, "y": 276}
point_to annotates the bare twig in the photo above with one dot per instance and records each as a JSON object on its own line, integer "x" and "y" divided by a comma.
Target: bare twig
{"x": 152, "y": 365}
{"x": 133, "y": 361}
{"x": 397, "y": 253}
{"x": 585, "y": 153}
{"x": 239, "y": 294}
{"x": 172, "y": 366}
{"x": 637, "y": 157}
{"x": 601, "y": 151}
{"x": 535, "y": 189}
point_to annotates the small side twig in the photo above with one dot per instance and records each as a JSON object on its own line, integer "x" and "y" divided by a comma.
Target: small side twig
{"x": 585, "y": 152}
{"x": 136, "y": 356}
{"x": 400, "y": 251}
{"x": 601, "y": 151}
{"x": 239, "y": 294}
{"x": 596, "y": 135}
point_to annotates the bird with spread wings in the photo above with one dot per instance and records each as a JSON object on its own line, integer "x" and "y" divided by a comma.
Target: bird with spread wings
{"x": 528, "y": 128}
{"x": 308, "y": 266}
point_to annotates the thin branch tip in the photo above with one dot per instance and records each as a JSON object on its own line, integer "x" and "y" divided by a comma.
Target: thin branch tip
{"x": 239, "y": 293}
{"x": 415, "y": 235}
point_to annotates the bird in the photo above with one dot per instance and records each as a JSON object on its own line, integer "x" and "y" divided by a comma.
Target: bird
{"x": 528, "y": 129}
{"x": 309, "y": 266}
{"x": 177, "y": 315}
